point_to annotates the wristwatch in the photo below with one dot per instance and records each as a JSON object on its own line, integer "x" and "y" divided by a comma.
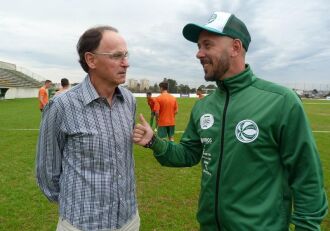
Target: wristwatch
{"x": 151, "y": 142}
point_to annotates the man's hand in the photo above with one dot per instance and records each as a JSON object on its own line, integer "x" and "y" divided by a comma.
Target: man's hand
{"x": 142, "y": 133}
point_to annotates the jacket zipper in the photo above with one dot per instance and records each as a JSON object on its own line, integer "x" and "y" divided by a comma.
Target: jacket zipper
{"x": 217, "y": 217}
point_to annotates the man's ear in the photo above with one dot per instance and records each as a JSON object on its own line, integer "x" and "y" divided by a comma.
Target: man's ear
{"x": 90, "y": 60}
{"x": 237, "y": 47}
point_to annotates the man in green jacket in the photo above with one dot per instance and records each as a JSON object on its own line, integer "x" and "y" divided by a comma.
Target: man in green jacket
{"x": 260, "y": 166}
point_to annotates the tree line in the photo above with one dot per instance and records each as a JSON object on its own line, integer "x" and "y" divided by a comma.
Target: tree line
{"x": 173, "y": 87}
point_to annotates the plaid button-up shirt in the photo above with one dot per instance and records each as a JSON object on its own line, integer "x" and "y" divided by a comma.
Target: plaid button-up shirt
{"x": 84, "y": 157}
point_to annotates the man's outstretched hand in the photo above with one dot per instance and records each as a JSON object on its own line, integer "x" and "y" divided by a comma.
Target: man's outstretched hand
{"x": 142, "y": 132}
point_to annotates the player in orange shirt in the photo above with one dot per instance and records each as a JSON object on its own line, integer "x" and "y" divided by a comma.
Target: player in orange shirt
{"x": 166, "y": 107}
{"x": 43, "y": 94}
{"x": 199, "y": 93}
{"x": 151, "y": 102}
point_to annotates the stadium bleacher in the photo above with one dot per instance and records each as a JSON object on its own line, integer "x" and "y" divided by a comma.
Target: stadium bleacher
{"x": 13, "y": 78}
{"x": 18, "y": 82}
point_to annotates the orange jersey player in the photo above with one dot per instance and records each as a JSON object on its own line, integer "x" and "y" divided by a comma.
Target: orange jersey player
{"x": 166, "y": 108}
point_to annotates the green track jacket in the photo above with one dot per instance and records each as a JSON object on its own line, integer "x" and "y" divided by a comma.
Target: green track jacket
{"x": 260, "y": 166}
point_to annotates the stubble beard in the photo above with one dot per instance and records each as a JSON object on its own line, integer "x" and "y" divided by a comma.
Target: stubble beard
{"x": 218, "y": 73}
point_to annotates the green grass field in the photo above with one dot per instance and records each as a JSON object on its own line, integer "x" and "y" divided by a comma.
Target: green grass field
{"x": 167, "y": 197}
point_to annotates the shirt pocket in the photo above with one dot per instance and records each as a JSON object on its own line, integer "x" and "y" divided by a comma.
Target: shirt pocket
{"x": 84, "y": 143}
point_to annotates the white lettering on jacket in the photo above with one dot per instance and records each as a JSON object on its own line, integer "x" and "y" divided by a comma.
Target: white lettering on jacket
{"x": 206, "y": 158}
{"x": 206, "y": 140}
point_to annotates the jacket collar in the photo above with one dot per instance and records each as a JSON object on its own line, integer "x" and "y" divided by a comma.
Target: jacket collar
{"x": 237, "y": 82}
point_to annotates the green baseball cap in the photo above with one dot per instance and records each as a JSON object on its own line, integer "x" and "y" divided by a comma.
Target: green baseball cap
{"x": 220, "y": 23}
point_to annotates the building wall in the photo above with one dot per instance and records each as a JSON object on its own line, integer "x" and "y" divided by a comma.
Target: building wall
{"x": 132, "y": 83}
{"x": 13, "y": 93}
{"x": 144, "y": 84}
{"x": 192, "y": 95}
{"x": 20, "y": 92}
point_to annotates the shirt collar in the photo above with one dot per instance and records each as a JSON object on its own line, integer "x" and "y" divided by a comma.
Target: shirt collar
{"x": 90, "y": 94}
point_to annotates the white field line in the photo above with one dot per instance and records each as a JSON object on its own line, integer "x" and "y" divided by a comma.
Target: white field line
{"x": 37, "y": 129}
{"x": 313, "y": 131}
{"x": 19, "y": 129}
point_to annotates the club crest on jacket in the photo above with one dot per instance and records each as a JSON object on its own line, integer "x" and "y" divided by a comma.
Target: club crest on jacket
{"x": 206, "y": 121}
{"x": 246, "y": 131}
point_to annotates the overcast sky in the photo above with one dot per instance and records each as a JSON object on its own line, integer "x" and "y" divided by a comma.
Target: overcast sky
{"x": 290, "y": 39}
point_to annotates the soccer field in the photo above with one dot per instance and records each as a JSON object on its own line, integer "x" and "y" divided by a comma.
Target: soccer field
{"x": 167, "y": 197}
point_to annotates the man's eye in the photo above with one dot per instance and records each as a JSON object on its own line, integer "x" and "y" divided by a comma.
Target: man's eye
{"x": 117, "y": 55}
{"x": 207, "y": 45}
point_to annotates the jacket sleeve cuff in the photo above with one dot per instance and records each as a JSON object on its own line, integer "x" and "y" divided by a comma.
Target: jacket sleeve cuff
{"x": 159, "y": 146}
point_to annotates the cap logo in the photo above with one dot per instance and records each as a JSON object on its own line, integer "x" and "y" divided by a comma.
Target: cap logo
{"x": 246, "y": 131}
{"x": 212, "y": 18}
{"x": 206, "y": 121}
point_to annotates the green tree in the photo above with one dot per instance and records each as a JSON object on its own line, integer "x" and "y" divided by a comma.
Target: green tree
{"x": 172, "y": 86}
{"x": 211, "y": 86}
{"x": 183, "y": 89}
{"x": 201, "y": 87}
{"x": 154, "y": 88}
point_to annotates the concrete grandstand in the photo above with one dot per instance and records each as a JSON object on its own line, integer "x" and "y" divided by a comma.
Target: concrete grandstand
{"x": 18, "y": 82}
